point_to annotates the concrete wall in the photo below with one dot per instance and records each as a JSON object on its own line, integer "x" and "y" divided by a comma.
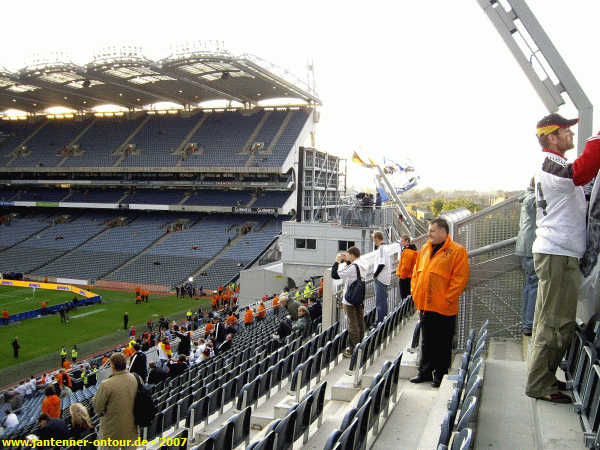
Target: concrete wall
{"x": 327, "y": 238}
{"x": 257, "y": 282}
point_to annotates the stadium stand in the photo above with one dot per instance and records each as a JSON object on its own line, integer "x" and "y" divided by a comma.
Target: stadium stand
{"x": 98, "y": 145}
{"x": 50, "y": 243}
{"x": 45, "y": 149}
{"x": 219, "y": 198}
{"x": 96, "y": 195}
{"x": 158, "y": 139}
{"x": 272, "y": 199}
{"x": 155, "y": 196}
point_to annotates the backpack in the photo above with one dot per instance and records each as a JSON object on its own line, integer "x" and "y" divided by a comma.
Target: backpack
{"x": 144, "y": 408}
{"x": 355, "y": 294}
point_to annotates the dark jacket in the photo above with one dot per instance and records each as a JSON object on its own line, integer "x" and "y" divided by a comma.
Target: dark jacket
{"x": 224, "y": 347}
{"x": 219, "y": 332}
{"x": 157, "y": 375}
{"x": 185, "y": 344}
{"x": 139, "y": 365}
{"x": 54, "y": 428}
{"x": 176, "y": 369}
{"x": 315, "y": 311}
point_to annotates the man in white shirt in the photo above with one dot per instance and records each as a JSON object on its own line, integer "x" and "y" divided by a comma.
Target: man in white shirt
{"x": 350, "y": 270}
{"x": 382, "y": 274}
{"x": 11, "y": 420}
{"x": 559, "y": 244}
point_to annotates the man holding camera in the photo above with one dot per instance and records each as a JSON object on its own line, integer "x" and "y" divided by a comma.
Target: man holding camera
{"x": 351, "y": 271}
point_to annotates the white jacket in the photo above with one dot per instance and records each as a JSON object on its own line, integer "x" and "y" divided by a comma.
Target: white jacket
{"x": 560, "y": 210}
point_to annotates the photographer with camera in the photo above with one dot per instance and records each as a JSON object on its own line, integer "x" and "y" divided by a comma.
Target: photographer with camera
{"x": 347, "y": 267}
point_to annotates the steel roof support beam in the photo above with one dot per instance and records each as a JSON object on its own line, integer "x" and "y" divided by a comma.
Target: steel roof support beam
{"x": 550, "y": 94}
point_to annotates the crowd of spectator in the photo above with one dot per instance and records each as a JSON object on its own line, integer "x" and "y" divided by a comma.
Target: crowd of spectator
{"x": 115, "y": 395}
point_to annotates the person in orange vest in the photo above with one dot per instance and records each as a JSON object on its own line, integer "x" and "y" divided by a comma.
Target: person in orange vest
{"x": 404, "y": 271}
{"x": 138, "y": 291}
{"x": 248, "y": 317}
{"x": 440, "y": 275}
{"x": 138, "y": 299}
{"x": 261, "y": 314}
{"x": 5, "y": 316}
{"x": 237, "y": 289}
{"x": 214, "y": 301}
{"x": 44, "y": 307}
{"x": 66, "y": 364}
{"x": 63, "y": 378}
{"x": 320, "y": 292}
{"x": 231, "y": 321}
{"x": 276, "y": 305}
{"x": 209, "y": 329}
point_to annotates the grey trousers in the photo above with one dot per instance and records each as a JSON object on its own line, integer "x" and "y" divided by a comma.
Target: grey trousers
{"x": 554, "y": 320}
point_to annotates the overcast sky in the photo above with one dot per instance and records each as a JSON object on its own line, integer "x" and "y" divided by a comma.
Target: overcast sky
{"x": 430, "y": 80}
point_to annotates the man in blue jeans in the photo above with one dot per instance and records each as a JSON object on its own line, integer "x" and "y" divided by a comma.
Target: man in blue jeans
{"x": 523, "y": 249}
{"x": 382, "y": 275}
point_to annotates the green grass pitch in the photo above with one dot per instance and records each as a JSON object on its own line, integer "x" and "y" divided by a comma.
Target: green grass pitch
{"x": 46, "y": 334}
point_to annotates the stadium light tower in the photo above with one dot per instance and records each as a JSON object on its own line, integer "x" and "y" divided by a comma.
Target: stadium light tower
{"x": 519, "y": 26}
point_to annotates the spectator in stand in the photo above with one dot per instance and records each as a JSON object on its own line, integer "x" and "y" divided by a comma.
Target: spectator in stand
{"x": 261, "y": 314}
{"x": 67, "y": 365}
{"x": 315, "y": 309}
{"x": 290, "y": 305}
{"x": 209, "y": 329}
{"x": 560, "y": 242}
{"x": 177, "y": 367}
{"x": 81, "y": 425}
{"x": 382, "y": 274}
{"x": 219, "y": 334}
{"x": 5, "y": 316}
{"x": 52, "y": 428}
{"x": 525, "y": 240}
{"x": 16, "y": 347}
{"x": 185, "y": 342}
{"x": 164, "y": 351}
{"x": 354, "y": 314}
{"x": 276, "y": 305}
{"x": 125, "y": 320}
{"x": 440, "y": 275}
{"x": 231, "y": 322}
{"x": 157, "y": 374}
{"x": 226, "y": 345}
{"x": 408, "y": 256}
{"x": 138, "y": 364}
{"x": 63, "y": 379}
{"x": 10, "y": 420}
{"x": 114, "y": 402}
{"x": 283, "y": 330}
{"x": 248, "y": 317}
{"x": 303, "y": 324}
{"x": 51, "y": 404}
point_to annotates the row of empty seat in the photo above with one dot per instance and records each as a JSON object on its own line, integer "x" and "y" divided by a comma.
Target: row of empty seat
{"x": 220, "y": 139}
{"x": 204, "y": 197}
{"x": 466, "y": 396}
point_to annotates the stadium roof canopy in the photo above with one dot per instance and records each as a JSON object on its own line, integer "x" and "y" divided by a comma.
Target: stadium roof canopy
{"x": 123, "y": 77}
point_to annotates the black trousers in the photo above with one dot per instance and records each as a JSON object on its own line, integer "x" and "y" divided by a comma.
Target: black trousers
{"x": 437, "y": 331}
{"x": 404, "y": 287}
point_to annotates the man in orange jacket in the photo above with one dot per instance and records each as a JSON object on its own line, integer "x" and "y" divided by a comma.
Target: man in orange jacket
{"x": 248, "y": 317}
{"x": 404, "y": 271}
{"x": 261, "y": 313}
{"x": 440, "y": 275}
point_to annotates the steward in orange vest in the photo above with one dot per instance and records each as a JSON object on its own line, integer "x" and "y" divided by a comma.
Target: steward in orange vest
{"x": 404, "y": 271}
